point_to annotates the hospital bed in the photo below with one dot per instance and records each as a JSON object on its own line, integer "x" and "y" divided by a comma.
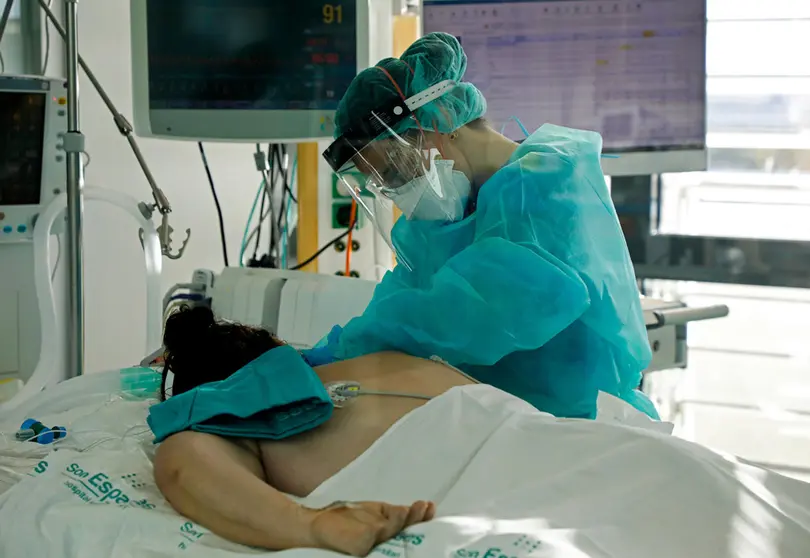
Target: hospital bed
{"x": 505, "y": 492}
{"x": 509, "y": 482}
{"x": 302, "y": 307}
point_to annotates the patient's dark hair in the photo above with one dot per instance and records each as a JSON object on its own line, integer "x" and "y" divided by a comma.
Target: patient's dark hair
{"x": 200, "y": 349}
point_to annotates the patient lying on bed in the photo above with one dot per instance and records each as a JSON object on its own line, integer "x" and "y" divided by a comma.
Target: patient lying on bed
{"x": 238, "y": 488}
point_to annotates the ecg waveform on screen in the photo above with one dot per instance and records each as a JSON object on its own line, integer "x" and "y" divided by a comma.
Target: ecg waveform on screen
{"x": 592, "y": 35}
{"x": 213, "y": 61}
{"x": 331, "y": 58}
{"x": 317, "y": 42}
{"x": 633, "y": 70}
{"x": 328, "y": 58}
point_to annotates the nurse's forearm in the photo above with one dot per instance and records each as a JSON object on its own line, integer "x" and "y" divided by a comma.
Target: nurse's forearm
{"x": 212, "y": 483}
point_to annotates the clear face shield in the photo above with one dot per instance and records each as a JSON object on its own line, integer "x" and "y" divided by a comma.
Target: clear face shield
{"x": 382, "y": 169}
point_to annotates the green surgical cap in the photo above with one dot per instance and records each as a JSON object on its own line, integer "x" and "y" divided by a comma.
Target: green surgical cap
{"x": 432, "y": 59}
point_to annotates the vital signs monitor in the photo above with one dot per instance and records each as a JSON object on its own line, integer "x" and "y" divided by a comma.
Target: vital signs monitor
{"x": 246, "y": 70}
{"x": 633, "y": 70}
{"x": 33, "y": 171}
{"x": 32, "y": 168}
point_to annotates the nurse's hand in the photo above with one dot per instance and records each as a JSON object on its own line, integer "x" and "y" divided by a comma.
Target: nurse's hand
{"x": 355, "y": 528}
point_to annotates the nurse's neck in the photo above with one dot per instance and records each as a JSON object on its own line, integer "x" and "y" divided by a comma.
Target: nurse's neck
{"x": 485, "y": 151}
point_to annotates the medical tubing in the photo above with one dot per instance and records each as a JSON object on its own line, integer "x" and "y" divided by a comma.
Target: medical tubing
{"x": 247, "y": 224}
{"x": 167, "y": 298}
{"x": 277, "y": 172}
{"x": 286, "y": 232}
{"x": 516, "y": 120}
{"x": 359, "y": 392}
{"x": 271, "y": 205}
{"x": 153, "y": 260}
{"x": 52, "y": 360}
{"x": 284, "y": 168}
{"x": 277, "y": 161}
{"x": 41, "y": 450}
{"x": 269, "y": 190}
{"x": 257, "y": 230}
{"x": 264, "y": 214}
{"x": 288, "y": 183}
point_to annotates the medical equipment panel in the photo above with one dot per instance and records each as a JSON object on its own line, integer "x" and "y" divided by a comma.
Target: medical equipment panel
{"x": 302, "y": 308}
{"x": 32, "y": 170}
{"x": 633, "y": 70}
{"x": 246, "y": 70}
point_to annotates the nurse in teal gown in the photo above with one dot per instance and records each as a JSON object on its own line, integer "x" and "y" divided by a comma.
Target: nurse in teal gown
{"x": 513, "y": 264}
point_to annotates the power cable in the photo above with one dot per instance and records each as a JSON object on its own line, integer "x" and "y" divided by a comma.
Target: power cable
{"x": 216, "y": 203}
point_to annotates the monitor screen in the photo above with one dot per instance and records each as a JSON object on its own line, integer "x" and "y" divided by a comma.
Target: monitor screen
{"x": 22, "y": 126}
{"x": 250, "y": 54}
{"x": 633, "y": 70}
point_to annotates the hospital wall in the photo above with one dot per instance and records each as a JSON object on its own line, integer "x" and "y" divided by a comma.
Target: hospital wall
{"x": 114, "y": 270}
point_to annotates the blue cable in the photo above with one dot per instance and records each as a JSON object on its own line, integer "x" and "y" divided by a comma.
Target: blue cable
{"x": 526, "y": 132}
{"x": 247, "y": 225}
{"x": 186, "y": 297}
{"x": 518, "y": 122}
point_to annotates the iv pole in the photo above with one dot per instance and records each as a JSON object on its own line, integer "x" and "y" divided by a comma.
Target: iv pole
{"x": 73, "y": 144}
{"x": 74, "y": 148}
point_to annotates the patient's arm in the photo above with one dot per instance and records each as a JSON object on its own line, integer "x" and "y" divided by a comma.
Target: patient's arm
{"x": 221, "y": 486}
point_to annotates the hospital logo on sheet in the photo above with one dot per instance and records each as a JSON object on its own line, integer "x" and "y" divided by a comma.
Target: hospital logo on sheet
{"x": 93, "y": 480}
{"x": 397, "y": 547}
{"x": 95, "y": 487}
{"x": 508, "y": 546}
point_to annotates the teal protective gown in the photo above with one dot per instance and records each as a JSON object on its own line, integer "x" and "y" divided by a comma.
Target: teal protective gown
{"x": 534, "y": 293}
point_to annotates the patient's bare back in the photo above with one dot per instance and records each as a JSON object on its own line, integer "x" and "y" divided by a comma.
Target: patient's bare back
{"x": 299, "y": 464}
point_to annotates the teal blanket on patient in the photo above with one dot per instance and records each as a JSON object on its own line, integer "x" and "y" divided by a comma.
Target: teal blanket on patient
{"x": 273, "y": 397}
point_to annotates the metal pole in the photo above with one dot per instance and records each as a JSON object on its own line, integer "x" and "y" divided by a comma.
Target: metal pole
{"x": 74, "y": 146}
{"x": 5, "y": 17}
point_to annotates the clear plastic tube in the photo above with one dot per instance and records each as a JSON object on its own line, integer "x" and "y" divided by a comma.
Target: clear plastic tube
{"x": 52, "y": 364}
{"x": 153, "y": 260}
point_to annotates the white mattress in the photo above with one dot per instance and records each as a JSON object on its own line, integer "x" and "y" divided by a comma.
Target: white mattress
{"x": 508, "y": 481}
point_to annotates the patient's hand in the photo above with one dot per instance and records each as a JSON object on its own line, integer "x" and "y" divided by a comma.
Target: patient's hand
{"x": 356, "y": 528}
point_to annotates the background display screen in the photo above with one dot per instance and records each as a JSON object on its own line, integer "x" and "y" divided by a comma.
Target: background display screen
{"x": 250, "y": 54}
{"x": 633, "y": 70}
{"x": 22, "y": 123}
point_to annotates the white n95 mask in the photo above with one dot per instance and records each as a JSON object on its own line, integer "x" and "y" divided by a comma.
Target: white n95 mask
{"x": 440, "y": 195}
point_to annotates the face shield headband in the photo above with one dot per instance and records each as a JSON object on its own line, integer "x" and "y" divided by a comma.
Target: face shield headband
{"x": 378, "y": 123}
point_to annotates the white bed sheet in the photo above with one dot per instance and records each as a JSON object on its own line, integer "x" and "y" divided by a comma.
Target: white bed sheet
{"x": 92, "y": 408}
{"x": 96, "y": 412}
{"x": 509, "y": 482}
